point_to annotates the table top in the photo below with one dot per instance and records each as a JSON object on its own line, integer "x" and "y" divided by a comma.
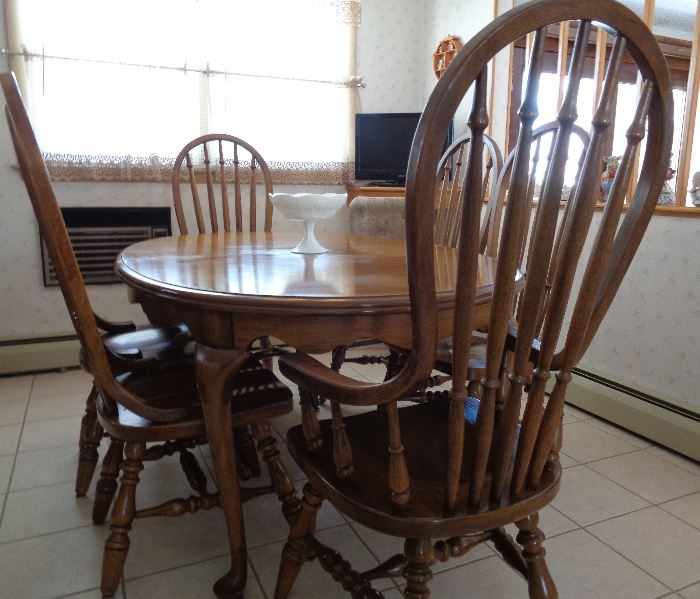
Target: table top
{"x": 258, "y": 269}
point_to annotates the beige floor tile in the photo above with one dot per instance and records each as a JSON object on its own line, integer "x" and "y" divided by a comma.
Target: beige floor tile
{"x": 59, "y": 383}
{"x": 159, "y": 544}
{"x": 384, "y": 546}
{"x": 623, "y": 434}
{"x": 12, "y": 411}
{"x": 584, "y": 568}
{"x": 43, "y": 434}
{"x": 692, "y": 592}
{"x": 44, "y": 510}
{"x": 47, "y": 467}
{"x": 9, "y": 435}
{"x": 313, "y": 581}
{"x": 586, "y": 443}
{"x": 649, "y": 476}
{"x": 188, "y": 582}
{"x": 658, "y": 542}
{"x": 264, "y": 522}
{"x": 15, "y": 387}
{"x": 52, "y": 565}
{"x": 686, "y": 508}
{"x": 675, "y": 458}
{"x": 393, "y": 594}
{"x": 489, "y": 578}
{"x": 5, "y": 470}
{"x": 45, "y": 407}
{"x": 587, "y": 497}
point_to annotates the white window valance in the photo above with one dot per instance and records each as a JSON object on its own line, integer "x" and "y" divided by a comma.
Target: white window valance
{"x": 115, "y": 89}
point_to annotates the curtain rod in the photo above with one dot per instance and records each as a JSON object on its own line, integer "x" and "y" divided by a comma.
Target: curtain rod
{"x": 349, "y": 82}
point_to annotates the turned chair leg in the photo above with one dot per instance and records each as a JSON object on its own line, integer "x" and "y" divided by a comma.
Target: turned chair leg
{"x": 539, "y": 581}
{"x": 419, "y": 556}
{"x": 90, "y": 437}
{"x": 245, "y": 450}
{"x": 107, "y": 485}
{"x": 117, "y": 544}
{"x": 279, "y": 477}
{"x": 295, "y": 551}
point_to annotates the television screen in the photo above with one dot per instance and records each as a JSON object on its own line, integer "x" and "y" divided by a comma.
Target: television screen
{"x": 383, "y": 144}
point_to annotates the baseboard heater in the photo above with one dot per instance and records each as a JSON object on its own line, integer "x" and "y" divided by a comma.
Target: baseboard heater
{"x": 667, "y": 424}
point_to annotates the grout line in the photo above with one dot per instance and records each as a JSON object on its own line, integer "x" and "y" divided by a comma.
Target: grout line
{"x": 661, "y": 507}
{"x": 685, "y": 588}
{"x": 627, "y": 559}
{"x": 48, "y": 534}
{"x": 251, "y": 567}
{"x": 177, "y": 567}
{"x": 619, "y": 484}
{"x": 372, "y": 553}
{"x": 14, "y": 459}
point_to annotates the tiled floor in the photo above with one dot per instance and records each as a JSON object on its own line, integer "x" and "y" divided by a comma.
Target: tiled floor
{"x": 626, "y": 524}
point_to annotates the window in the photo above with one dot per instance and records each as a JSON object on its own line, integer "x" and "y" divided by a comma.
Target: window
{"x": 119, "y": 87}
{"x": 677, "y": 51}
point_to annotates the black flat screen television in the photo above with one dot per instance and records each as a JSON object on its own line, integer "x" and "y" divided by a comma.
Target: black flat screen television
{"x": 383, "y": 143}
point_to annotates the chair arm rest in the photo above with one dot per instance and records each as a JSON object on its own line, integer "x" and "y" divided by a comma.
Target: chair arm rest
{"x": 114, "y": 327}
{"x": 317, "y": 378}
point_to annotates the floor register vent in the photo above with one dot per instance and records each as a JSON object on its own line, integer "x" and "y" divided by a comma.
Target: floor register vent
{"x": 99, "y": 234}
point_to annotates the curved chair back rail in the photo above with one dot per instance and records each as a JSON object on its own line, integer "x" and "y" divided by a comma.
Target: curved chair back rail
{"x": 229, "y": 165}
{"x": 507, "y": 459}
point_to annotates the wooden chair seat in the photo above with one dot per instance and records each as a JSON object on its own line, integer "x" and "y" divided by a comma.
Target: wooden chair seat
{"x": 256, "y": 394}
{"x": 147, "y": 349}
{"x": 365, "y": 497}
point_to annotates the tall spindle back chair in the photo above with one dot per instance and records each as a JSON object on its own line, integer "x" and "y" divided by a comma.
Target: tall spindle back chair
{"x": 160, "y": 407}
{"x": 451, "y": 173}
{"x": 228, "y": 166}
{"x": 460, "y": 468}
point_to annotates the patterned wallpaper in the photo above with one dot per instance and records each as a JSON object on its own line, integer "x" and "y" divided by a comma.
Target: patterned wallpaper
{"x": 650, "y": 338}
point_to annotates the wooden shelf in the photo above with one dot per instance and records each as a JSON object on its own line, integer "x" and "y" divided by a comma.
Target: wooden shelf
{"x": 374, "y": 191}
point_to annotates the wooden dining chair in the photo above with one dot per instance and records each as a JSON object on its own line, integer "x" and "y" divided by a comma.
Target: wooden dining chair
{"x": 160, "y": 407}
{"x": 461, "y": 469}
{"x": 221, "y": 168}
{"x": 543, "y": 136}
{"x": 450, "y": 178}
{"x": 226, "y": 166}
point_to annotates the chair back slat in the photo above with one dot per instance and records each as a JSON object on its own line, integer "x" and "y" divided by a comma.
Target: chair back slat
{"x": 237, "y": 190}
{"x": 229, "y": 172}
{"x": 253, "y": 200}
{"x": 467, "y": 273}
{"x": 224, "y": 189}
{"x": 213, "y": 218}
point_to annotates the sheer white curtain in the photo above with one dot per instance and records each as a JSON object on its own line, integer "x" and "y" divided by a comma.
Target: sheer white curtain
{"x": 115, "y": 89}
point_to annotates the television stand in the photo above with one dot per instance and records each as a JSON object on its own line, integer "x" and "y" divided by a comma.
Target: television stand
{"x": 375, "y": 191}
{"x": 393, "y": 183}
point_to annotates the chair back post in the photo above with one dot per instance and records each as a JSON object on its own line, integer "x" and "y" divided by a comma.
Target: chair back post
{"x": 229, "y": 172}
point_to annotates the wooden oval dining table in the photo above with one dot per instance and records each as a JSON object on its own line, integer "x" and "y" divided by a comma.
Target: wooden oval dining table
{"x": 233, "y": 288}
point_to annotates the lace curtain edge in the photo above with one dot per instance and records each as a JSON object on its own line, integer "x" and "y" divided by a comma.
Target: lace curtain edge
{"x": 155, "y": 169}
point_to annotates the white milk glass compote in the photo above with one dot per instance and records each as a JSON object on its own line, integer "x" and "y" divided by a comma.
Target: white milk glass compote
{"x": 308, "y": 208}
